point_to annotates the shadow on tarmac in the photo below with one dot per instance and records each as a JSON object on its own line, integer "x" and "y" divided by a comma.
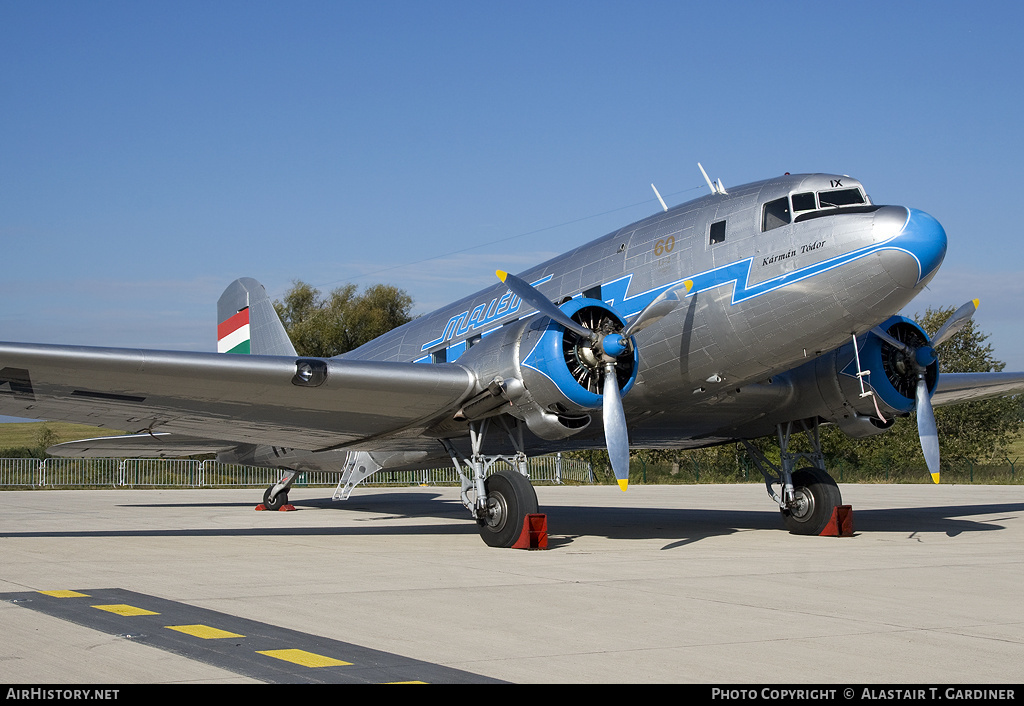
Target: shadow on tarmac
{"x": 678, "y": 526}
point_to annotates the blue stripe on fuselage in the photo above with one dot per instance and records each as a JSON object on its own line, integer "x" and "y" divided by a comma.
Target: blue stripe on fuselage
{"x": 921, "y": 237}
{"x": 920, "y": 242}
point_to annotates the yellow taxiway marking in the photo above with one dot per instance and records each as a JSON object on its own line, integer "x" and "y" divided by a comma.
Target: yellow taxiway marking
{"x": 306, "y": 659}
{"x": 65, "y": 594}
{"x": 203, "y": 631}
{"x": 122, "y": 609}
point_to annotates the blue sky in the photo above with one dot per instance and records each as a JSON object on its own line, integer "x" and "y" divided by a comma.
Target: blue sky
{"x": 152, "y": 152}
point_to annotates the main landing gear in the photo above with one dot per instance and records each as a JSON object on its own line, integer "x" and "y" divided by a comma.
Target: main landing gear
{"x": 808, "y": 495}
{"x": 499, "y": 500}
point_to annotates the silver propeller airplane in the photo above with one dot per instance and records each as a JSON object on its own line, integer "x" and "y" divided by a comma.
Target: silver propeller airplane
{"x": 763, "y": 309}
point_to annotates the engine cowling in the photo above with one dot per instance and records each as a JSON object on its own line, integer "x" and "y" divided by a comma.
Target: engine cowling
{"x": 542, "y": 373}
{"x": 891, "y": 378}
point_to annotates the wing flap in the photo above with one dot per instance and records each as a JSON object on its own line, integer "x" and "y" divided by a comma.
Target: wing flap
{"x": 244, "y": 399}
{"x": 160, "y": 445}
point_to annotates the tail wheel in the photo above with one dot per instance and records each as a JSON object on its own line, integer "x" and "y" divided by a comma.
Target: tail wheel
{"x": 510, "y": 498}
{"x": 277, "y": 502}
{"x": 816, "y": 495}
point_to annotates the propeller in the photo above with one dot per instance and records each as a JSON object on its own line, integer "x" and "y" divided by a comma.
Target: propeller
{"x": 920, "y": 358}
{"x": 609, "y": 347}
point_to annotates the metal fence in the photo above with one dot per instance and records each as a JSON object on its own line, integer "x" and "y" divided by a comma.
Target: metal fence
{"x": 174, "y": 473}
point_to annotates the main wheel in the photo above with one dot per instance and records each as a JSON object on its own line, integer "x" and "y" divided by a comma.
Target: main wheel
{"x": 816, "y": 495}
{"x": 510, "y": 498}
{"x": 275, "y": 503}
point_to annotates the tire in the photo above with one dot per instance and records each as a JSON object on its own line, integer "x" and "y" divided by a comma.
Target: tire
{"x": 817, "y": 494}
{"x": 510, "y": 498}
{"x": 275, "y": 503}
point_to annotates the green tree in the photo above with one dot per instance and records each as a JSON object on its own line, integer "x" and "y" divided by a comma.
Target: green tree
{"x": 343, "y": 320}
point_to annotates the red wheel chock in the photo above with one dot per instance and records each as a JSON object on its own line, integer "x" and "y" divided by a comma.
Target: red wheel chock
{"x": 841, "y": 522}
{"x": 534, "y": 534}
{"x": 283, "y": 508}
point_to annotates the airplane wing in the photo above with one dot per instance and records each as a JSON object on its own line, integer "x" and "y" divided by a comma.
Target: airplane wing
{"x": 287, "y": 401}
{"x": 964, "y": 387}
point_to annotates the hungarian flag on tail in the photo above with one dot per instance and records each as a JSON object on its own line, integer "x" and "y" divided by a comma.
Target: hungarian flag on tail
{"x": 233, "y": 333}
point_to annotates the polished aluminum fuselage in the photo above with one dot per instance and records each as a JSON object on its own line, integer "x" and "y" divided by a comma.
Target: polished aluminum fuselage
{"x": 763, "y": 302}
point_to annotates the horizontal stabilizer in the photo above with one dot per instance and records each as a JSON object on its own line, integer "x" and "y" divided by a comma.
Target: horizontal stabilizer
{"x": 160, "y": 445}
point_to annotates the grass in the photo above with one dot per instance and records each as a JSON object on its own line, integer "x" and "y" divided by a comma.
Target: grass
{"x": 27, "y": 434}
{"x": 1016, "y": 449}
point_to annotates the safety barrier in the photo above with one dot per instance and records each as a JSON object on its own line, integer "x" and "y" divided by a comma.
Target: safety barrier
{"x": 175, "y": 473}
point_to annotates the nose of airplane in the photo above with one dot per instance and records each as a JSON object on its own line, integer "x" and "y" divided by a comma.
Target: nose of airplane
{"x": 924, "y": 239}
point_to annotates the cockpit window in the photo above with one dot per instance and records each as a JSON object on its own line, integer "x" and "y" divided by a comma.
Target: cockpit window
{"x": 840, "y": 197}
{"x": 807, "y": 204}
{"x": 776, "y": 214}
{"x": 804, "y": 202}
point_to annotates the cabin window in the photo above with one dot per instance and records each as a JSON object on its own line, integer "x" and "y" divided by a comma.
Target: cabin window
{"x": 776, "y": 214}
{"x": 840, "y": 197}
{"x": 804, "y": 202}
{"x": 718, "y": 232}
{"x": 593, "y": 293}
{"x": 439, "y": 356}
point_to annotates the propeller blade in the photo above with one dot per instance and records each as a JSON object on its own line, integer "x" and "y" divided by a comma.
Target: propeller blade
{"x": 926, "y": 428}
{"x": 955, "y": 322}
{"x": 615, "y": 435}
{"x": 884, "y": 335}
{"x": 662, "y": 306}
{"x": 538, "y": 301}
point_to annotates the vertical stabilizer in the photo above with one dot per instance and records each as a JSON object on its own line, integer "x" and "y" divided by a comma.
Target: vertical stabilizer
{"x": 248, "y": 323}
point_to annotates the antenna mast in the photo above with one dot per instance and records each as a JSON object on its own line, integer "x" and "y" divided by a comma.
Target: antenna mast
{"x": 663, "y": 206}
{"x": 716, "y": 188}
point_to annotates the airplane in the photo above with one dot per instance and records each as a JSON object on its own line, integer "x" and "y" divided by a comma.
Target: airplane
{"x": 764, "y": 309}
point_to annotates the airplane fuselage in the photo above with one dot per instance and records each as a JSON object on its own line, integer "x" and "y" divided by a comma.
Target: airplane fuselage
{"x": 783, "y": 270}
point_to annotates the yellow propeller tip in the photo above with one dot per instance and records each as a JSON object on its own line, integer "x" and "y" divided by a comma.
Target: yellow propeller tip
{"x": 623, "y": 483}
{"x": 935, "y": 478}
{"x": 689, "y": 285}
{"x": 501, "y": 274}
{"x": 977, "y": 303}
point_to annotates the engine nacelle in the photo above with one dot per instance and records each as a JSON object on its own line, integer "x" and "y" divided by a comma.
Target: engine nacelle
{"x": 548, "y": 377}
{"x": 890, "y": 377}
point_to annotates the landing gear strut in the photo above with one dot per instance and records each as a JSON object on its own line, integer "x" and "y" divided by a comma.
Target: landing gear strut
{"x": 499, "y": 500}
{"x": 808, "y": 495}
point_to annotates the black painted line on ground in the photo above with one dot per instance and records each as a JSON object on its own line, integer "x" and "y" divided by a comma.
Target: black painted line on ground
{"x": 237, "y": 654}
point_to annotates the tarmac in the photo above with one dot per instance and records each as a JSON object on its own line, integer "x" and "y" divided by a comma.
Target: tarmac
{"x": 675, "y": 584}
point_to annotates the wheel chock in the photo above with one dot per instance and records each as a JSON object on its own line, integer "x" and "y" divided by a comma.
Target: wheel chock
{"x": 534, "y": 534}
{"x": 841, "y": 522}
{"x": 283, "y": 508}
